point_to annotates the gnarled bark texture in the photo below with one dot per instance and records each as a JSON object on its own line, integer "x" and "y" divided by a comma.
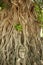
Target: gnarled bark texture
{"x": 24, "y": 47}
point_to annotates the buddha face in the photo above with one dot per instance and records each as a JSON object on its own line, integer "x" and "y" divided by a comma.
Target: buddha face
{"x": 21, "y": 52}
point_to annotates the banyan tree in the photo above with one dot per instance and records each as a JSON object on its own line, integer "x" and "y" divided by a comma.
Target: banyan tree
{"x": 20, "y": 41}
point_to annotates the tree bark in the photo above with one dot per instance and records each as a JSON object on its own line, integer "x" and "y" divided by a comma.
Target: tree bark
{"x": 20, "y": 47}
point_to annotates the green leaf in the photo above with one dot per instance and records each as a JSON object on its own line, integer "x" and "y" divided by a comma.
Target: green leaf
{"x": 18, "y": 27}
{"x": 39, "y": 13}
{"x": 37, "y": 8}
{"x": 40, "y": 17}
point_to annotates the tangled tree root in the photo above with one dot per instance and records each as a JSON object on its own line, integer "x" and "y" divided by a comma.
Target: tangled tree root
{"x": 24, "y": 47}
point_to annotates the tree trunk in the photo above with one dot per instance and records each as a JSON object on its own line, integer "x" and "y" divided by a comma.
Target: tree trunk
{"x": 20, "y": 47}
